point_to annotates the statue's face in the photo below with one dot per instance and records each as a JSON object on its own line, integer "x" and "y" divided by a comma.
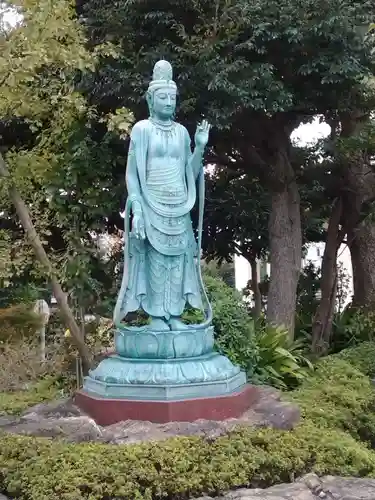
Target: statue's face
{"x": 164, "y": 103}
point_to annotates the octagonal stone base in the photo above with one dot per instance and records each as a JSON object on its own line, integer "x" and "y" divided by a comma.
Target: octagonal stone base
{"x": 110, "y": 411}
{"x": 180, "y": 385}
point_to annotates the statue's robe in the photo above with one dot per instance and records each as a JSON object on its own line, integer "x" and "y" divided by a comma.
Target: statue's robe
{"x": 162, "y": 273}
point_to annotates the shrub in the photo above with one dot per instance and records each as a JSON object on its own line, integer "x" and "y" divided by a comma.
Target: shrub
{"x": 224, "y": 271}
{"x": 234, "y": 333}
{"x": 335, "y": 395}
{"x": 98, "y": 336}
{"x": 352, "y": 327}
{"x": 176, "y": 469}
{"x": 280, "y": 361}
{"x": 14, "y": 403}
{"x": 263, "y": 351}
{"x": 20, "y": 364}
{"x": 332, "y": 400}
{"x": 18, "y": 322}
{"x": 361, "y": 356}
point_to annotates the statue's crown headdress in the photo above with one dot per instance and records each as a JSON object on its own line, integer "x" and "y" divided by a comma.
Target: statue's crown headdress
{"x": 162, "y": 76}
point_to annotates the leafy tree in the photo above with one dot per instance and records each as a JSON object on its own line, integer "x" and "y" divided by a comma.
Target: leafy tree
{"x": 349, "y": 186}
{"x": 39, "y": 63}
{"x": 230, "y": 198}
{"x": 255, "y": 70}
{"x": 228, "y": 229}
{"x": 356, "y": 152}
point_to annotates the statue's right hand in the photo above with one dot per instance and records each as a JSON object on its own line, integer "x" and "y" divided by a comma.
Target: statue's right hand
{"x": 138, "y": 228}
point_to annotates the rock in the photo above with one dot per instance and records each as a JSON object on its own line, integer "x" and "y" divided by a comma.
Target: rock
{"x": 62, "y": 419}
{"x": 309, "y": 487}
{"x": 61, "y": 408}
{"x": 3, "y": 497}
{"x": 132, "y": 431}
{"x": 75, "y": 429}
{"x": 295, "y": 491}
{"x": 269, "y": 411}
{"x": 273, "y": 412}
{"x": 348, "y": 488}
{"x": 57, "y": 419}
{"x": 7, "y": 420}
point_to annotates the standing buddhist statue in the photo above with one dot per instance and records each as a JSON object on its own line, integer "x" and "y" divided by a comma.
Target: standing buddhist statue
{"x": 164, "y": 179}
{"x": 166, "y": 360}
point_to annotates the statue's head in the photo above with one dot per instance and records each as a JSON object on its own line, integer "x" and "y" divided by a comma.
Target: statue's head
{"x": 162, "y": 92}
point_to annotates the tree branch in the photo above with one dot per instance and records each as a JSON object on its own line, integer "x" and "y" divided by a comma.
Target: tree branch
{"x": 33, "y": 237}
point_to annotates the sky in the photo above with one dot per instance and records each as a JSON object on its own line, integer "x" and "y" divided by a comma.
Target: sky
{"x": 311, "y": 132}
{"x": 8, "y": 17}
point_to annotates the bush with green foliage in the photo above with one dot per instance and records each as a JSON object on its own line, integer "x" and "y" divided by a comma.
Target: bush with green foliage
{"x": 280, "y": 361}
{"x": 361, "y": 356}
{"x": 234, "y": 335}
{"x": 21, "y": 365}
{"x": 351, "y": 327}
{"x": 18, "y": 322}
{"x": 265, "y": 352}
{"x": 336, "y": 401}
{"x": 15, "y": 402}
{"x": 223, "y": 270}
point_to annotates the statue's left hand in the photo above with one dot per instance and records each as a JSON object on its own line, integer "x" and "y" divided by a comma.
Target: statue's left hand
{"x": 201, "y": 135}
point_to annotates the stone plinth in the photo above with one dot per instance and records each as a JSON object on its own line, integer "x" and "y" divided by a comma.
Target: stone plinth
{"x": 107, "y": 411}
{"x": 163, "y": 377}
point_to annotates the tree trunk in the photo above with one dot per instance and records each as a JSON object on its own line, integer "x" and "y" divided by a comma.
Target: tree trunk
{"x": 270, "y": 151}
{"x": 322, "y": 324}
{"x": 66, "y": 312}
{"x": 286, "y": 256}
{"x": 358, "y": 218}
{"x": 361, "y": 242}
{"x": 255, "y": 288}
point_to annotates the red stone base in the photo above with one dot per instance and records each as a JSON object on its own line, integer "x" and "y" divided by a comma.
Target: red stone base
{"x": 111, "y": 411}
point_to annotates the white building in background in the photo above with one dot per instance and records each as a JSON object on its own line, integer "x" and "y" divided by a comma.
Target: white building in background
{"x": 242, "y": 269}
{"x": 315, "y": 254}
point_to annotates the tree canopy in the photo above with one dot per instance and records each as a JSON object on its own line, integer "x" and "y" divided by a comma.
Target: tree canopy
{"x": 40, "y": 62}
{"x": 255, "y": 70}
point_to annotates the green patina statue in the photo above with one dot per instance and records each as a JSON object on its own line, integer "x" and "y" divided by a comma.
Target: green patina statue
{"x": 162, "y": 257}
{"x": 165, "y": 359}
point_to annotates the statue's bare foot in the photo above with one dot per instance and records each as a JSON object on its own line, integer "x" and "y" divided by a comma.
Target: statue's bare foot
{"x": 158, "y": 325}
{"x": 177, "y": 324}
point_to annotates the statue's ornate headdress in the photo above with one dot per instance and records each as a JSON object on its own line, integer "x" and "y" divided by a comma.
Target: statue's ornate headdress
{"x": 162, "y": 76}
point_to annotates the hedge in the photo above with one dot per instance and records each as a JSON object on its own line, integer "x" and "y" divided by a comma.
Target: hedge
{"x": 336, "y": 403}
{"x": 361, "y": 356}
